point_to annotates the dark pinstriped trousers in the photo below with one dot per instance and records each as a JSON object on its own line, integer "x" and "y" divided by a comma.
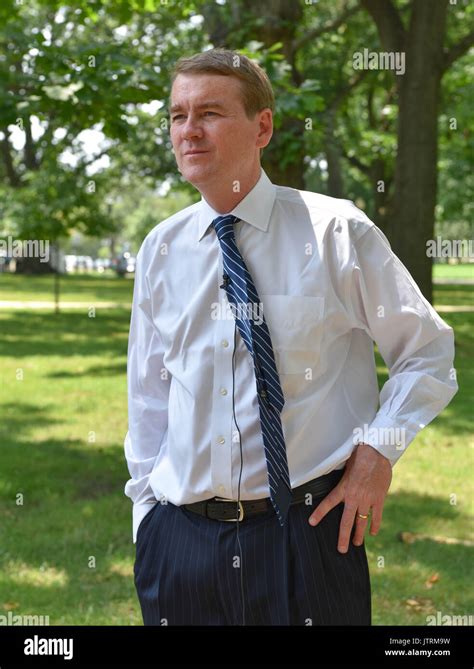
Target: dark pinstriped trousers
{"x": 188, "y": 570}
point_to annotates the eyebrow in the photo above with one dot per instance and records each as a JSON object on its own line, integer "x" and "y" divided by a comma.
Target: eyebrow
{"x": 210, "y": 103}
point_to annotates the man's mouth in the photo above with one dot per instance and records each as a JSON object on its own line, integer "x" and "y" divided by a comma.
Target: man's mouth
{"x": 194, "y": 153}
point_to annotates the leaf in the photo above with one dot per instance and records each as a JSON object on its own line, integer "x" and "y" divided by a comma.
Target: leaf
{"x": 9, "y": 606}
{"x": 407, "y": 537}
{"x": 420, "y": 604}
{"x": 434, "y": 578}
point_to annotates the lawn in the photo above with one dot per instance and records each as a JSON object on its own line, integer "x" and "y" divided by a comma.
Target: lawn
{"x": 90, "y": 288}
{"x": 108, "y": 287}
{"x": 460, "y": 271}
{"x": 66, "y": 550}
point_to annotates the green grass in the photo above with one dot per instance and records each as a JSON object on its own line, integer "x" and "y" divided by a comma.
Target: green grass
{"x": 437, "y": 465}
{"x": 460, "y": 271}
{"x": 451, "y": 294}
{"x": 62, "y": 449}
{"x": 67, "y": 552}
{"x": 91, "y": 288}
{"x": 95, "y": 287}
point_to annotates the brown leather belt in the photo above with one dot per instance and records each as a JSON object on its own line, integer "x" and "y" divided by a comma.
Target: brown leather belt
{"x": 221, "y": 508}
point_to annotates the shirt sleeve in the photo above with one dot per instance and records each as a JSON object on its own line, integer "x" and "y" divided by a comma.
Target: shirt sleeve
{"x": 415, "y": 343}
{"x": 148, "y": 386}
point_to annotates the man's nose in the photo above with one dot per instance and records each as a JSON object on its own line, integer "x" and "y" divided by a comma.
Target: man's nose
{"x": 191, "y": 128}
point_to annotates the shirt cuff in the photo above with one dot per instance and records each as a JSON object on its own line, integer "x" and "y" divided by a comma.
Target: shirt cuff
{"x": 386, "y": 437}
{"x": 139, "y": 512}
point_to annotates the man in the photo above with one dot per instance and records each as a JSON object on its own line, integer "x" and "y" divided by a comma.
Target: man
{"x": 256, "y": 446}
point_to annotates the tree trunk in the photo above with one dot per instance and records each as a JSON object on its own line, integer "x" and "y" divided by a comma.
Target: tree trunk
{"x": 33, "y": 265}
{"x": 333, "y": 157}
{"x": 381, "y": 185}
{"x": 292, "y": 173}
{"x": 411, "y": 223}
{"x": 274, "y": 21}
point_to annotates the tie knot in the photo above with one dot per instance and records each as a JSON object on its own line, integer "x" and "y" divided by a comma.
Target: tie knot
{"x": 224, "y": 226}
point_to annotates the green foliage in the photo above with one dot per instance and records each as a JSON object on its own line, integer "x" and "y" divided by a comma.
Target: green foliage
{"x": 75, "y": 68}
{"x": 96, "y": 65}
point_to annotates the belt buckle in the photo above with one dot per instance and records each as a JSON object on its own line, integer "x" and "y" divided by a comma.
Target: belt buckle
{"x": 241, "y": 509}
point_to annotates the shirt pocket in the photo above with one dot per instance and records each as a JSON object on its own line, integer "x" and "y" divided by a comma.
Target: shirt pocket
{"x": 296, "y": 329}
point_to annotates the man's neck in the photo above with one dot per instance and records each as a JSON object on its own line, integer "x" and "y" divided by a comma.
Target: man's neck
{"x": 224, "y": 202}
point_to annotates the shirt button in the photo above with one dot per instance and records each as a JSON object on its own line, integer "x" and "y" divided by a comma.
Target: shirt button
{"x": 221, "y": 440}
{"x": 223, "y": 391}
{"x": 221, "y": 488}
{"x": 225, "y": 343}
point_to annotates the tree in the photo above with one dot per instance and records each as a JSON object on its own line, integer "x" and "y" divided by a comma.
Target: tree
{"x": 428, "y": 58}
{"x": 106, "y": 67}
{"x": 405, "y": 204}
{"x": 70, "y": 70}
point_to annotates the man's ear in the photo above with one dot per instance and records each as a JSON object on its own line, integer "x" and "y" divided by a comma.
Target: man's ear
{"x": 265, "y": 127}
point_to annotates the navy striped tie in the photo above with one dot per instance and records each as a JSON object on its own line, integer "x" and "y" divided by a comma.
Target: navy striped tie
{"x": 241, "y": 293}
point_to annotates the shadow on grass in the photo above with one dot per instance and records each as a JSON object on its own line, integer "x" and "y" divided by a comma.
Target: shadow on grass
{"x": 407, "y": 566}
{"x": 74, "y": 504}
{"x": 66, "y": 468}
{"x": 28, "y": 333}
{"x": 453, "y": 294}
{"x": 74, "y": 510}
{"x": 19, "y": 420}
{"x": 95, "y": 370}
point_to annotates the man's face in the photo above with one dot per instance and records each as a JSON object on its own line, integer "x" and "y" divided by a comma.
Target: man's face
{"x": 213, "y": 140}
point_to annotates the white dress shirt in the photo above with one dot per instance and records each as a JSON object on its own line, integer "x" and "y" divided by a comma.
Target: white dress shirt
{"x": 330, "y": 286}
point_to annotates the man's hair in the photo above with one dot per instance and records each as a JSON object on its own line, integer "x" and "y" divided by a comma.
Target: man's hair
{"x": 257, "y": 92}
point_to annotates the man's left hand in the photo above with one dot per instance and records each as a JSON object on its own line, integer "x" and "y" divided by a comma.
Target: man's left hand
{"x": 363, "y": 486}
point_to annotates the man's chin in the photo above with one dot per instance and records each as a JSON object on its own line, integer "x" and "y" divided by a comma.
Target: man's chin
{"x": 197, "y": 176}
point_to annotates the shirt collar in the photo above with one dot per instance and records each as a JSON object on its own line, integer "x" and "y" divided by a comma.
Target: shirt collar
{"x": 255, "y": 208}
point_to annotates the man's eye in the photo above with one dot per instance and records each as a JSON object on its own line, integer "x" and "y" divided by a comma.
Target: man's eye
{"x": 175, "y": 118}
{"x": 210, "y": 112}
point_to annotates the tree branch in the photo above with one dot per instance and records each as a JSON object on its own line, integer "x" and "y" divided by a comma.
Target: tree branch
{"x": 13, "y": 177}
{"x": 388, "y": 22}
{"x": 31, "y": 162}
{"x": 458, "y": 50}
{"x": 328, "y": 27}
{"x": 365, "y": 169}
{"x": 370, "y": 108}
{"x": 345, "y": 90}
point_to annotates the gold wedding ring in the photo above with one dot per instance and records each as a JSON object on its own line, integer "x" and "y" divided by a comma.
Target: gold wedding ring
{"x": 362, "y": 516}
